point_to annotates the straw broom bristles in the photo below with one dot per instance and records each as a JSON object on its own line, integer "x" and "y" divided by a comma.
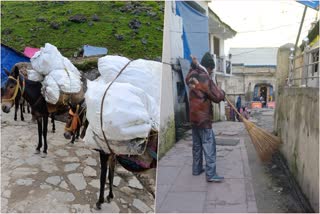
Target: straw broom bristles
{"x": 264, "y": 142}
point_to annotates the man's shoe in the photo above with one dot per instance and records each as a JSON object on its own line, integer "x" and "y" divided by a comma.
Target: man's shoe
{"x": 216, "y": 178}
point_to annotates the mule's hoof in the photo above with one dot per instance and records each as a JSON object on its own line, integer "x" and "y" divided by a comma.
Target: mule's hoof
{"x": 43, "y": 155}
{"x": 15, "y": 119}
{"x": 37, "y": 152}
{"x": 22, "y": 119}
{"x": 109, "y": 198}
{"x": 53, "y": 131}
{"x": 98, "y": 206}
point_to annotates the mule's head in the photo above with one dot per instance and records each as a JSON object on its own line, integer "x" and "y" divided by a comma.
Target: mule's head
{"x": 10, "y": 91}
{"x": 74, "y": 122}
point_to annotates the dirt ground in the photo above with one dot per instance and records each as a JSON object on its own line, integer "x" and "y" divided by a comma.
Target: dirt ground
{"x": 67, "y": 180}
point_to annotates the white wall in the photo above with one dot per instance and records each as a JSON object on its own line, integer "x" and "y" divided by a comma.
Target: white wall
{"x": 166, "y": 136}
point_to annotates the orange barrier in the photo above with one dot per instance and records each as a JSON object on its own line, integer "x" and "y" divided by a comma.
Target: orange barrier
{"x": 256, "y": 105}
{"x": 271, "y": 104}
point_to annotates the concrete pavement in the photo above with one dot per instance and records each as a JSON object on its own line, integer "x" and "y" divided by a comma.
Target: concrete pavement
{"x": 179, "y": 191}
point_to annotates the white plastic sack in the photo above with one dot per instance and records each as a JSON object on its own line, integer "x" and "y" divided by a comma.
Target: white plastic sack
{"x": 49, "y": 59}
{"x": 68, "y": 82}
{"x": 128, "y": 112}
{"x": 34, "y": 76}
{"x": 131, "y": 147}
{"x": 144, "y": 74}
{"x": 50, "y": 90}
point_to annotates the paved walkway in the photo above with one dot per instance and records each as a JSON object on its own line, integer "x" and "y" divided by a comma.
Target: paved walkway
{"x": 66, "y": 181}
{"x": 179, "y": 191}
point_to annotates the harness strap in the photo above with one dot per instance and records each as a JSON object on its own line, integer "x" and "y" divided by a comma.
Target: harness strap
{"x": 101, "y": 109}
{"x": 74, "y": 121}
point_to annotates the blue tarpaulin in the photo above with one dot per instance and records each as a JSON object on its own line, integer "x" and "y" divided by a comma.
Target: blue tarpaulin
{"x": 195, "y": 31}
{"x": 9, "y": 57}
{"x": 94, "y": 51}
{"x": 310, "y": 3}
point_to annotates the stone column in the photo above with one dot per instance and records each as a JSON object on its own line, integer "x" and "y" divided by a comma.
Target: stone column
{"x": 282, "y": 73}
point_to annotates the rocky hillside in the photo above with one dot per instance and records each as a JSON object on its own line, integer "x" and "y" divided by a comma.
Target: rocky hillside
{"x": 132, "y": 29}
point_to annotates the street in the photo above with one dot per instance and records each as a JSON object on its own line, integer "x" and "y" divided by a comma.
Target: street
{"x": 67, "y": 180}
{"x": 249, "y": 185}
{"x": 273, "y": 190}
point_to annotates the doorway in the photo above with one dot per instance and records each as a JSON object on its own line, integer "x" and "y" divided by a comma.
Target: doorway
{"x": 263, "y": 93}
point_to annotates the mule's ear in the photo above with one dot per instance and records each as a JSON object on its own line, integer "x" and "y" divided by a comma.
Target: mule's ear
{"x": 7, "y": 72}
{"x": 16, "y": 72}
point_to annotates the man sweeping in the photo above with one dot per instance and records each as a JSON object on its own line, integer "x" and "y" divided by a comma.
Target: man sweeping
{"x": 202, "y": 93}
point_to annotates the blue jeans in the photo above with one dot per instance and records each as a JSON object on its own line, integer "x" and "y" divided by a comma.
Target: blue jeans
{"x": 203, "y": 142}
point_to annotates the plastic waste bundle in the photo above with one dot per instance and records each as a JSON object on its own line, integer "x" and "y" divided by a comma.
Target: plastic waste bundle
{"x": 56, "y": 73}
{"x": 144, "y": 74}
{"x": 131, "y": 106}
{"x": 128, "y": 113}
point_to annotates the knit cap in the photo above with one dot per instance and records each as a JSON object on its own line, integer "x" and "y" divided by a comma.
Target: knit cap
{"x": 207, "y": 61}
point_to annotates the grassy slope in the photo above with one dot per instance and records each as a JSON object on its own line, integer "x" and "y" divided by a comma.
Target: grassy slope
{"x": 21, "y": 17}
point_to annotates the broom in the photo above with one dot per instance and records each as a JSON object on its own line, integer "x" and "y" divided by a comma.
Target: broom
{"x": 264, "y": 142}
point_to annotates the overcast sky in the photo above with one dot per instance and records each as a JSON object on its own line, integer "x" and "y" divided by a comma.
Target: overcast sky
{"x": 264, "y": 23}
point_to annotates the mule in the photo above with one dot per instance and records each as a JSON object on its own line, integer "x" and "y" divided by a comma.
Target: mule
{"x": 20, "y": 101}
{"x": 31, "y": 92}
{"x": 109, "y": 160}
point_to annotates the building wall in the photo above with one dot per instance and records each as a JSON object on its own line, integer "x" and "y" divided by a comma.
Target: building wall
{"x": 296, "y": 122}
{"x": 298, "y": 127}
{"x": 244, "y": 79}
{"x": 167, "y": 125}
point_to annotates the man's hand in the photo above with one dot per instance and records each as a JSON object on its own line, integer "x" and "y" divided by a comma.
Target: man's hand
{"x": 194, "y": 59}
{"x": 193, "y": 82}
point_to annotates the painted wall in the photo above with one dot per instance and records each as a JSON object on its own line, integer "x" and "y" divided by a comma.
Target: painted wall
{"x": 296, "y": 121}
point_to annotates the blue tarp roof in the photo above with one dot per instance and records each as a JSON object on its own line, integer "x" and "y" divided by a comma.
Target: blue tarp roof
{"x": 195, "y": 31}
{"x": 89, "y": 50}
{"x": 9, "y": 57}
{"x": 310, "y": 3}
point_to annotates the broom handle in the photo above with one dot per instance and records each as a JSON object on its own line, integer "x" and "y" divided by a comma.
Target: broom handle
{"x": 234, "y": 108}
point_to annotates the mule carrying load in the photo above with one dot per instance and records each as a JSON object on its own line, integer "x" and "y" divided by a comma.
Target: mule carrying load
{"x": 123, "y": 107}
{"x": 61, "y": 80}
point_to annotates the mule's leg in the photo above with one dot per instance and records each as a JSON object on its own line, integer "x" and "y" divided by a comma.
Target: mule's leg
{"x": 103, "y": 176}
{"x": 28, "y": 107}
{"x": 52, "y": 121}
{"x": 45, "y": 131}
{"x": 16, "y": 108}
{"x": 73, "y": 138}
{"x": 22, "y": 106}
{"x": 112, "y": 165}
{"x": 78, "y": 132}
{"x": 21, "y": 112}
{"x": 39, "y": 120}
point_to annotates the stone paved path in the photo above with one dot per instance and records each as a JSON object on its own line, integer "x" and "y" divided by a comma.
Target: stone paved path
{"x": 179, "y": 191}
{"x": 67, "y": 180}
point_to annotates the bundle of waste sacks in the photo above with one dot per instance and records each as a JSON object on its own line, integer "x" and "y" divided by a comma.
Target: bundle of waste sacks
{"x": 56, "y": 73}
{"x": 131, "y": 107}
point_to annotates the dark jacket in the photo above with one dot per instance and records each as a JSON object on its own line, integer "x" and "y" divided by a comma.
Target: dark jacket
{"x": 201, "y": 96}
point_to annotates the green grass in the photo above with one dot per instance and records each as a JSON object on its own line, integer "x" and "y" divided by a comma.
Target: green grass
{"x": 20, "y": 18}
